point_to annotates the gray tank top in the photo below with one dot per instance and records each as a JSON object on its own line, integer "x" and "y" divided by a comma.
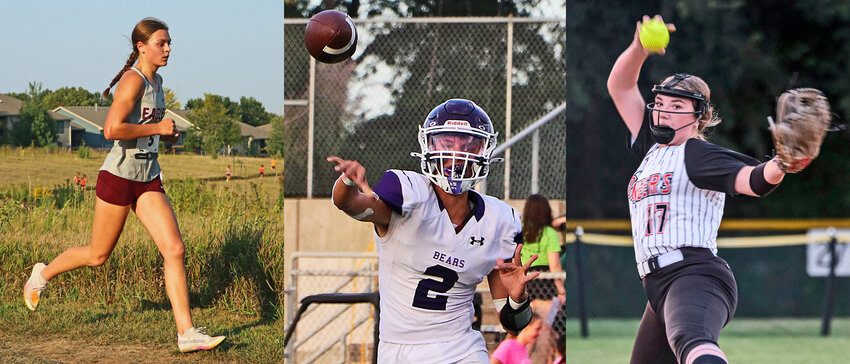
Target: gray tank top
{"x": 135, "y": 159}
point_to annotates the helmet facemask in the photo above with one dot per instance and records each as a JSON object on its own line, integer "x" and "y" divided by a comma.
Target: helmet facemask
{"x": 455, "y": 157}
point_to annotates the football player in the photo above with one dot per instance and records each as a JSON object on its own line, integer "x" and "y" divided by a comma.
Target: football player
{"x": 437, "y": 239}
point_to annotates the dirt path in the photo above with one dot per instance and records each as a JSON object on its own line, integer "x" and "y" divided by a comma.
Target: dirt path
{"x": 15, "y": 349}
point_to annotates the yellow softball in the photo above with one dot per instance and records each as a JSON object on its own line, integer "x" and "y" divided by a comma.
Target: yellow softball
{"x": 654, "y": 35}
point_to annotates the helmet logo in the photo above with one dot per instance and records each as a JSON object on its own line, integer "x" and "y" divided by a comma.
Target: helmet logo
{"x": 457, "y": 123}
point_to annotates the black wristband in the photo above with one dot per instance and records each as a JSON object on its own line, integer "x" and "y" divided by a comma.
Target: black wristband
{"x": 514, "y": 320}
{"x": 758, "y": 184}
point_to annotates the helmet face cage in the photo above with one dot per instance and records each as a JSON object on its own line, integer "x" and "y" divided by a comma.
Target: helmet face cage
{"x": 456, "y": 141}
{"x": 701, "y": 106}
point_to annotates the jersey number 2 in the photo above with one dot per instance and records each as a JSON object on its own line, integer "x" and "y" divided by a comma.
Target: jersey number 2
{"x": 656, "y": 216}
{"x": 437, "y": 303}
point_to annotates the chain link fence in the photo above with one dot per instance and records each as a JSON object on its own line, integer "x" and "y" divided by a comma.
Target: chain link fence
{"x": 369, "y": 108}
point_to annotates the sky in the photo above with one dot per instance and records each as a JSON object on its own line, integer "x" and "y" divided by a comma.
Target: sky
{"x": 229, "y": 48}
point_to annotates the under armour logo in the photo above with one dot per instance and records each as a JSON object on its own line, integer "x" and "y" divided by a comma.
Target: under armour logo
{"x": 472, "y": 241}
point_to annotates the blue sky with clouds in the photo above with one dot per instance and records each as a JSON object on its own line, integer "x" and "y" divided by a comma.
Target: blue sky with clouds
{"x": 230, "y": 48}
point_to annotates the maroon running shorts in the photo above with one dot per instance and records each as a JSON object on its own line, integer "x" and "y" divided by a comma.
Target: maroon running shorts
{"x": 119, "y": 191}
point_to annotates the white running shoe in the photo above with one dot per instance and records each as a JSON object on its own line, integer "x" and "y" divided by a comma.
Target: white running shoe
{"x": 195, "y": 339}
{"x": 32, "y": 289}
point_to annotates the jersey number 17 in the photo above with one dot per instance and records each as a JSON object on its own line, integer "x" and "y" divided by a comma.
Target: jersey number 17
{"x": 656, "y": 219}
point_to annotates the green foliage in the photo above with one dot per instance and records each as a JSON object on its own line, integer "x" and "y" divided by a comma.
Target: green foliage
{"x": 193, "y": 139}
{"x": 435, "y": 62}
{"x": 23, "y": 96}
{"x": 231, "y": 107}
{"x": 41, "y": 124}
{"x": 72, "y": 96}
{"x": 217, "y": 128}
{"x": 235, "y": 234}
{"x": 275, "y": 142}
{"x": 248, "y": 110}
{"x": 253, "y": 149}
{"x": 83, "y": 152}
{"x": 21, "y": 134}
{"x": 171, "y": 101}
{"x": 8, "y": 210}
{"x": 253, "y": 112}
{"x": 748, "y": 54}
{"x": 415, "y": 8}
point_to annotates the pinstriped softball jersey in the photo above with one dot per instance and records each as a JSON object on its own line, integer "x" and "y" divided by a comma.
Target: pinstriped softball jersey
{"x": 668, "y": 211}
{"x": 677, "y": 194}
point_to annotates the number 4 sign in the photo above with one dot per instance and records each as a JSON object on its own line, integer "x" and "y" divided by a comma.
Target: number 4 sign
{"x": 818, "y": 258}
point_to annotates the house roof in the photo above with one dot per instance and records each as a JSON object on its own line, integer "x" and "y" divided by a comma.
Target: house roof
{"x": 57, "y": 116}
{"x": 97, "y": 115}
{"x": 10, "y": 105}
{"x": 263, "y": 131}
{"x": 257, "y": 132}
{"x": 89, "y": 114}
{"x": 181, "y": 118}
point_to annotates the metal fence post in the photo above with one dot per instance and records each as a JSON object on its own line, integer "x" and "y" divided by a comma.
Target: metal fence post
{"x": 535, "y": 164}
{"x": 830, "y": 284}
{"x": 508, "y": 96}
{"x": 582, "y": 311}
{"x": 311, "y": 120}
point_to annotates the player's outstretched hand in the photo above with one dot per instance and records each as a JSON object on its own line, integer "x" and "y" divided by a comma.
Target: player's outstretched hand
{"x": 352, "y": 170}
{"x": 513, "y": 275}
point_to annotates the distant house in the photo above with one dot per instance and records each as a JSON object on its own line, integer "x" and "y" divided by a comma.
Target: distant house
{"x": 10, "y": 112}
{"x": 67, "y": 131}
{"x": 254, "y": 136}
{"x": 90, "y": 120}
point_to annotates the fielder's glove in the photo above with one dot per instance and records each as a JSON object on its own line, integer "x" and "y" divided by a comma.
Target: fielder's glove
{"x": 802, "y": 120}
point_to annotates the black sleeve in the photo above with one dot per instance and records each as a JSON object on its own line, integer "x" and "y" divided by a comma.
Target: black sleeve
{"x": 643, "y": 141}
{"x": 712, "y": 167}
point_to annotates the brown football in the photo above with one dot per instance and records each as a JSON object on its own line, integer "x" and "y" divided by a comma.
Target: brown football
{"x": 330, "y": 36}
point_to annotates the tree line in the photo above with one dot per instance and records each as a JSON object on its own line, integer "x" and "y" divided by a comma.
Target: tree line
{"x": 214, "y": 117}
{"x": 748, "y": 52}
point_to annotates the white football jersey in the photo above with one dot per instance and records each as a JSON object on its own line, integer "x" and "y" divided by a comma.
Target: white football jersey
{"x": 428, "y": 272}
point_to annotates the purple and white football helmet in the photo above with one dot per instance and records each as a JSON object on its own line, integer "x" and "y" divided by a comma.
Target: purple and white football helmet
{"x": 457, "y": 140}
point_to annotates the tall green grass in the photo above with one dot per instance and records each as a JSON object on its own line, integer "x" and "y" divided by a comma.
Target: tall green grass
{"x": 234, "y": 252}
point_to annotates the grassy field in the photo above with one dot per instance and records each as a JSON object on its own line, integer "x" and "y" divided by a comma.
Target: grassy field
{"x": 37, "y": 167}
{"x": 751, "y": 341}
{"x": 233, "y": 232}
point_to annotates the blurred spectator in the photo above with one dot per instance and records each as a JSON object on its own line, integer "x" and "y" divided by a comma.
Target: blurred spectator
{"x": 514, "y": 349}
{"x": 540, "y": 238}
{"x": 562, "y": 349}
